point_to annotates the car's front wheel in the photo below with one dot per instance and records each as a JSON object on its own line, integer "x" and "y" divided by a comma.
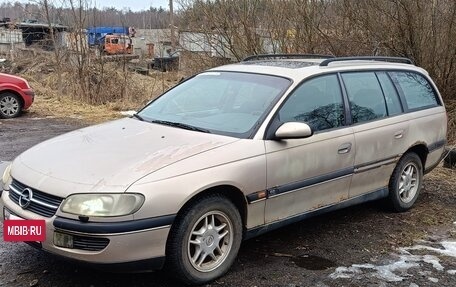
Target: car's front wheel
{"x": 10, "y": 105}
{"x": 405, "y": 182}
{"x": 204, "y": 240}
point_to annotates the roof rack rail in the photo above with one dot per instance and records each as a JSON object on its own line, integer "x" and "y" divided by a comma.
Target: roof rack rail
{"x": 368, "y": 58}
{"x": 286, "y": 56}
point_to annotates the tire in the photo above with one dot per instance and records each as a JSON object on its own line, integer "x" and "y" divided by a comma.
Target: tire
{"x": 405, "y": 182}
{"x": 192, "y": 236}
{"x": 10, "y": 105}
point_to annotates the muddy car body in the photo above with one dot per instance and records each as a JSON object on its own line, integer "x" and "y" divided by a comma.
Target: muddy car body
{"x": 229, "y": 154}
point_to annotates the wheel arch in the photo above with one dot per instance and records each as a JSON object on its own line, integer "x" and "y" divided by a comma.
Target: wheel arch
{"x": 231, "y": 192}
{"x": 422, "y": 151}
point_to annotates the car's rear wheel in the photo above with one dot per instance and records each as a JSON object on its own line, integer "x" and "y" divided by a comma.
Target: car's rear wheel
{"x": 10, "y": 105}
{"x": 405, "y": 182}
{"x": 204, "y": 240}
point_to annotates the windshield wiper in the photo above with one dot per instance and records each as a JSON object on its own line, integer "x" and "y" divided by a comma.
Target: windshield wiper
{"x": 181, "y": 125}
{"x": 138, "y": 117}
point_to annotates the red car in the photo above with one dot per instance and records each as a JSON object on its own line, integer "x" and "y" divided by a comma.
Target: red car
{"x": 15, "y": 96}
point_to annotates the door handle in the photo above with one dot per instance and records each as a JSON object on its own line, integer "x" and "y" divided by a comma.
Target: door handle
{"x": 399, "y": 134}
{"x": 344, "y": 148}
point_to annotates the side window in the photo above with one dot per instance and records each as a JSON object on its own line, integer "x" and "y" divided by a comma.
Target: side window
{"x": 317, "y": 102}
{"x": 392, "y": 98}
{"x": 418, "y": 92}
{"x": 365, "y": 95}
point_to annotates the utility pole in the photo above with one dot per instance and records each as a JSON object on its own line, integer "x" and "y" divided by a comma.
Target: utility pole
{"x": 171, "y": 21}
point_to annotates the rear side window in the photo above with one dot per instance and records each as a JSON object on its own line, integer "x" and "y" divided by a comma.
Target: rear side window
{"x": 392, "y": 98}
{"x": 365, "y": 95}
{"x": 417, "y": 91}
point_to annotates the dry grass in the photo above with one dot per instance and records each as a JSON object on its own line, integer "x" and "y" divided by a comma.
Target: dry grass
{"x": 443, "y": 176}
{"x": 46, "y": 105}
{"x": 104, "y": 90}
{"x": 48, "y": 102}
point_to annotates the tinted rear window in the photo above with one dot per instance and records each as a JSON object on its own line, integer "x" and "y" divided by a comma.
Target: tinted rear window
{"x": 417, "y": 91}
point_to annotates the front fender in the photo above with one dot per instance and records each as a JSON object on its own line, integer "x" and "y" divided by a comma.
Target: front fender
{"x": 3, "y": 165}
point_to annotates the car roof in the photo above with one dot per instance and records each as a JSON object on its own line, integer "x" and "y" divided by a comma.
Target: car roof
{"x": 297, "y": 69}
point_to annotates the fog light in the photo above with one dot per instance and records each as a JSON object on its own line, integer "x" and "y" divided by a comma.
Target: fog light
{"x": 63, "y": 240}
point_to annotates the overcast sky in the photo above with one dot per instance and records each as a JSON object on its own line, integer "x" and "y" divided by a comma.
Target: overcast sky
{"x": 134, "y": 5}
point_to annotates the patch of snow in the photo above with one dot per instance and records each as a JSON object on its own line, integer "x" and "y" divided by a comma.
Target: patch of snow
{"x": 449, "y": 248}
{"x": 383, "y": 272}
{"x": 368, "y": 266}
{"x": 431, "y": 259}
{"x": 413, "y": 285}
{"x": 127, "y": 113}
{"x": 343, "y": 272}
{"x": 397, "y": 270}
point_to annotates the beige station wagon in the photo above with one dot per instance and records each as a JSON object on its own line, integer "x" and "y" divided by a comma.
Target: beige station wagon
{"x": 229, "y": 154}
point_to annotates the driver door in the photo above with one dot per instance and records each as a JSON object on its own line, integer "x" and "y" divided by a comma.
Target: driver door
{"x": 309, "y": 173}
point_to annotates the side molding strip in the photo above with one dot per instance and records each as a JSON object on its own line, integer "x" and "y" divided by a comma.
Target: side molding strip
{"x": 308, "y": 182}
{"x": 435, "y": 146}
{"x": 378, "y": 194}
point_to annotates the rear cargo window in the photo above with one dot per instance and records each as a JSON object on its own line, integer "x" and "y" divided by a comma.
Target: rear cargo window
{"x": 417, "y": 91}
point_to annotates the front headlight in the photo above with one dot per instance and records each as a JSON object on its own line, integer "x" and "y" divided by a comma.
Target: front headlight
{"x": 102, "y": 204}
{"x": 6, "y": 178}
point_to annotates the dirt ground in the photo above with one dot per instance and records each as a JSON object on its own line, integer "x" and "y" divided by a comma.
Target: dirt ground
{"x": 358, "y": 246}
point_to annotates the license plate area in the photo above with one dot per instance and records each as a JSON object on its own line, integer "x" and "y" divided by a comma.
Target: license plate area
{"x": 29, "y": 231}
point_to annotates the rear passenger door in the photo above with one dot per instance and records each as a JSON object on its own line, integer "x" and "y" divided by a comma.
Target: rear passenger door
{"x": 380, "y": 127}
{"x": 428, "y": 122}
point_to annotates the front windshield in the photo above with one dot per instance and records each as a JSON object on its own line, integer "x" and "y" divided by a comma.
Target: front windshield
{"x": 225, "y": 103}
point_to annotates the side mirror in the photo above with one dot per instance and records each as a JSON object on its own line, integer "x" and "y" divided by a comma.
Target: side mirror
{"x": 293, "y": 130}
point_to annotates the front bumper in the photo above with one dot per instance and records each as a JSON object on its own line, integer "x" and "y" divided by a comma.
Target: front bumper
{"x": 127, "y": 245}
{"x": 28, "y": 96}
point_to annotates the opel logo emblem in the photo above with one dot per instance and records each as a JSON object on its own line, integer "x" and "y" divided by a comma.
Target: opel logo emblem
{"x": 25, "y": 198}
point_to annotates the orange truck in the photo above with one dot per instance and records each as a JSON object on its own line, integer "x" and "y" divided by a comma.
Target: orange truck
{"x": 113, "y": 40}
{"x": 117, "y": 44}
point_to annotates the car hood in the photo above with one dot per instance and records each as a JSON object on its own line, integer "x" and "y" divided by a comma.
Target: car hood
{"x": 108, "y": 157}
